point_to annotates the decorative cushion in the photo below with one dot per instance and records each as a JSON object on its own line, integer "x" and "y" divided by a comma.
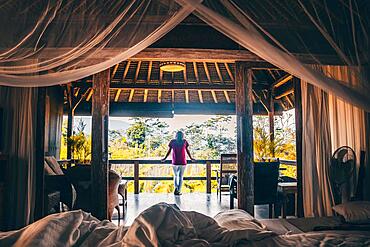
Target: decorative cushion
{"x": 48, "y": 170}
{"x": 237, "y": 219}
{"x": 54, "y": 165}
{"x": 354, "y": 212}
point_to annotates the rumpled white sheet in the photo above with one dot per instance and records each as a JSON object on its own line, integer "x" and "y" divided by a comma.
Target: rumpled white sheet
{"x": 161, "y": 225}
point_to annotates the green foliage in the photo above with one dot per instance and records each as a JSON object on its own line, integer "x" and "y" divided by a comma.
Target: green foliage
{"x": 149, "y": 138}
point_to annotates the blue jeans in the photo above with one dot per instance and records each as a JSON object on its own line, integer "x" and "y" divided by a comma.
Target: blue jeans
{"x": 178, "y": 171}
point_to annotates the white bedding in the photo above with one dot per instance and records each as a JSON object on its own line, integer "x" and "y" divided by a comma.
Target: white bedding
{"x": 162, "y": 225}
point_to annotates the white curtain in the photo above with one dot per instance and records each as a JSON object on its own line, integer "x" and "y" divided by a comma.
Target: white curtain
{"x": 20, "y": 106}
{"x": 328, "y": 123}
{"x": 347, "y": 122}
{"x": 316, "y": 152}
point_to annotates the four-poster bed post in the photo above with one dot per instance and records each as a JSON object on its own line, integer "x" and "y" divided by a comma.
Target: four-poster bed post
{"x": 40, "y": 153}
{"x": 244, "y": 112}
{"x": 99, "y": 156}
{"x": 299, "y": 126}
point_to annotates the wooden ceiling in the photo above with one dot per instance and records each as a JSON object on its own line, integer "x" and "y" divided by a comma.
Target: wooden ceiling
{"x": 206, "y": 84}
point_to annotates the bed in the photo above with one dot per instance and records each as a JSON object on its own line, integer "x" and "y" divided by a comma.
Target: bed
{"x": 166, "y": 225}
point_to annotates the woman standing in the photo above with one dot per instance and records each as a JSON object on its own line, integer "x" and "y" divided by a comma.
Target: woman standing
{"x": 178, "y": 147}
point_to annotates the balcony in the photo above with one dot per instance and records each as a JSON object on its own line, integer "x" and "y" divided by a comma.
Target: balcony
{"x": 142, "y": 195}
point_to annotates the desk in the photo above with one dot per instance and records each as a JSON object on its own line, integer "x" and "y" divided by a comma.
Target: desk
{"x": 288, "y": 188}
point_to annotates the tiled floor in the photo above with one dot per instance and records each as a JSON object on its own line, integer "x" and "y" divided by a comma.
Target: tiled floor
{"x": 207, "y": 204}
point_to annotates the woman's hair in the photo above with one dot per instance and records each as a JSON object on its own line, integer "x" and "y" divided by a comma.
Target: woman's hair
{"x": 179, "y": 136}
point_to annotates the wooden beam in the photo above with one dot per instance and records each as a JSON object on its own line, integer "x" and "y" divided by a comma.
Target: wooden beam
{"x": 244, "y": 112}
{"x": 190, "y": 55}
{"x": 176, "y": 86}
{"x": 154, "y": 109}
{"x": 159, "y": 96}
{"x": 90, "y": 94}
{"x": 196, "y": 72}
{"x": 160, "y": 76}
{"x": 200, "y": 96}
{"x": 282, "y": 80}
{"x": 219, "y": 73}
{"x": 40, "y": 154}
{"x": 137, "y": 70}
{"x": 115, "y": 70}
{"x": 227, "y": 97}
{"x": 299, "y": 143}
{"x": 285, "y": 93}
{"x": 77, "y": 91}
{"x": 99, "y": 154}
{"x": 185, "y": 75}
{"x": 149, "y": 71}
{"x": 132, "y": 91}
{"x": 125, "y": 71}
{"x": 214, "y": 96}
{"x": 118, "y": 93}
{"x": 207, "y": 72}
{"x": 229, "y": 72}
{"x": 145, "y": 95}
{"x": 262, "y": 100}
{"x": 187, "y": 96}
{"x": 289, "y": 101}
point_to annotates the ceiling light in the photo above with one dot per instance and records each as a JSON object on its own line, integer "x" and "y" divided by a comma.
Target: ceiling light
{"x": 172, "y": 66}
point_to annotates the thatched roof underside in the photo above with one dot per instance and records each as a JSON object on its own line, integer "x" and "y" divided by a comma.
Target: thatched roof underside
{"x": 140, "y": 83}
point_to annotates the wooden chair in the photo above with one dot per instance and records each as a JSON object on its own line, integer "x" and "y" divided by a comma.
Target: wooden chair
{"x": 266, "y": 176}
{"x": 228, "y": 166}
{"x": 122, "y": 191}
{"x": 80, "y": 176}
{"x": 56, "y": 180}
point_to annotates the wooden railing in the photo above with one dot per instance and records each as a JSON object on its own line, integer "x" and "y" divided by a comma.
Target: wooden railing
{"x": 136, "y": 178}
{"x": 136, "y": 163}
{"x": 289, "y": 162}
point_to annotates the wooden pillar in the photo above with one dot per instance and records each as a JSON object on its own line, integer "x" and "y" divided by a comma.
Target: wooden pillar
{"x": 40, "y": 153}
{"x": 271, "y": 114}
{"x": 69, "y": 132}
{"x": 70, "y": 119}
{"x": 209, "y": 177}
{"x": 99, "y": 161}
{"x": 244, "y": 112}
{"x": 136, "y": 177}
{"x": 299, "y": 126}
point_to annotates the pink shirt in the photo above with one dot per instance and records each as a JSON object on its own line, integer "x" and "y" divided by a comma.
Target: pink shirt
{"x": 178, "y": 152}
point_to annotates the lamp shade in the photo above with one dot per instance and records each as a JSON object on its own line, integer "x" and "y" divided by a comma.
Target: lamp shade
{"x": 172, "y": 66}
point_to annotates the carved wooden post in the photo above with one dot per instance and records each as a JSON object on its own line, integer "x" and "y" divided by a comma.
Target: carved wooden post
{"x": 208, "y": 176}
{"x": 99, "y": 161}
{"x": 244, "y": 112}
{"x": 298, "y": 125}
{"x": 136, "y": 177}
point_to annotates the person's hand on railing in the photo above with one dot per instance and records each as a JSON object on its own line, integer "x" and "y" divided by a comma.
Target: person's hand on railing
{"x": 163, "y": 160}
{"x": 193, "y": 160}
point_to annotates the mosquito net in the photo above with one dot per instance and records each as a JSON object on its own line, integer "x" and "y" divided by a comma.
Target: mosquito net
{"x": 337, "y": 29}
{"x": 52, "y": 42}
{"x": 45, "y": 42}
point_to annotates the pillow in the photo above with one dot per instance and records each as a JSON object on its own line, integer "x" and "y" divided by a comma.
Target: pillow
{"x": 354, "y": 212}
{"x": 54, "y": 165}
{"x": 48, "y": 170}
{"x": 237, "y": 219}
